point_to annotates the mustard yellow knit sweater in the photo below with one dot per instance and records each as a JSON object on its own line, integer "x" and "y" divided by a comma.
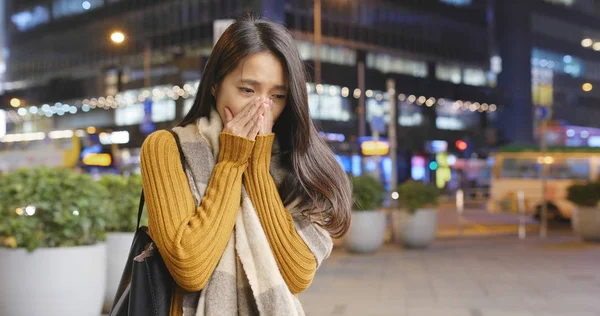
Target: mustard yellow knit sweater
{"x": 192, "y": 239}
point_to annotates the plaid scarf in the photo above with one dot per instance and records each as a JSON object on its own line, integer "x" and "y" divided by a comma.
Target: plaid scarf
{"x": 247, "y": 280}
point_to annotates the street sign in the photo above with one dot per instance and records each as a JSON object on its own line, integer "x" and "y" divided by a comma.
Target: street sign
{"x": 541, "y": 112}
{"x": 378, "y": 124}
{"x": 147, "y": 126}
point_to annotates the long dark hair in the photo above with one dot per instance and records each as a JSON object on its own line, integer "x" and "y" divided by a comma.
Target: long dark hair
{"x": 316, "y": 177}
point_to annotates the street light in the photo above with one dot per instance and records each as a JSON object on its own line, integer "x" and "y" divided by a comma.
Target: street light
{"x": 15, "y": 102}
{"x": 117, "y": 37}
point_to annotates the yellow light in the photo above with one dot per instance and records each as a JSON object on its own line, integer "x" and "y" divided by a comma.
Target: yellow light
{"x": 101, "y": 160}
{"x": 15, "y": 102}
{"x": 19, "y": 211}
{"x": 586, "y": 42}
{"x": 547, "y": 160}
{"x": 375, "y": 148}
{"x": 587, "y": 87}
{"x": 91, "y": 130}
{"x": 596, "y": 46}
{"x": 117, "y": 37}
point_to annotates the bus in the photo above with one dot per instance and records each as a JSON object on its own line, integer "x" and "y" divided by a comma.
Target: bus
{"x": 520, "y": 169}
{"x": 74, "y": 149}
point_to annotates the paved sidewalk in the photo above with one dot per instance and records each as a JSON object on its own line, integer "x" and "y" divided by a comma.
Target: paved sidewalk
{"x": 493, "y": 276}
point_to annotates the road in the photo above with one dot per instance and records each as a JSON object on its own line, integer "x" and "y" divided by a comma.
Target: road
{"x": 496, "y": 275}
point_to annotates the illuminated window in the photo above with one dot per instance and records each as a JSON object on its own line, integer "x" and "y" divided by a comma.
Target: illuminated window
{"x": 187, "y": 105}
{"x": 29, "y": 19}
{"x": 458, "y": 3}
{"x": 378, "y": 106}
{"x": 129, "y": 115}
{"x": 559, "y": 63}
{"x": 448, "y": 73}
{"x": 62, "y": 8}
{"x": 329, "y": 105}
{"x": 392, "y": 64}
{"x": 567, "y": 3}
{"x": 452, "y": 117}
{"x": 163, "y": 111}
{"x": 330, "y": 54}
{"x": 474, "y": 77}
{"x": 410, "y": 114}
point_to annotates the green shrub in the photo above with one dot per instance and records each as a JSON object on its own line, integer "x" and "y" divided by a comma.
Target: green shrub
{"x": 413, "y": 195}
{"x": 368, "y": 193}
{"x": 587, "y": 194}
{"x": 124, "y": 196}
{"x": 51, "y": 207}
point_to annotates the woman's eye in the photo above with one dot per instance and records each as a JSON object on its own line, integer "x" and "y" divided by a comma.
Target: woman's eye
{"x": 246, "y": 90}
{"x": 279, "y": 96}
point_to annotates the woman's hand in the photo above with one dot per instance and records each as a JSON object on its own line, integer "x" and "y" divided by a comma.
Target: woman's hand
{"x": 267, "y": 125}
{"x": 248, "y": 122}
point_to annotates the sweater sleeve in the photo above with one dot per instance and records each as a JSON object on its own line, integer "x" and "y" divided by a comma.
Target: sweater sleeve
{"x": 294, "y": 258}
{"x": 190, "y": 238}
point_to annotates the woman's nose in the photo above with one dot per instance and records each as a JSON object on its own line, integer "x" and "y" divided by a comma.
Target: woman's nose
{"x": 267, "y": 99}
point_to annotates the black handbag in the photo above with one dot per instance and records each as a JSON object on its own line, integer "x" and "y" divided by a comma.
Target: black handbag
{"x": 146, "y": 286}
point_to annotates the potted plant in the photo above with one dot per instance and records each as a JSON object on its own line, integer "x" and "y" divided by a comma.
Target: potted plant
{"x": 367, "y": 230}
{"x": 414, "y": 224}
{"x": 52, "y": 250}
{"x": 586, "y": 215}
{"x": 124, "y": 196}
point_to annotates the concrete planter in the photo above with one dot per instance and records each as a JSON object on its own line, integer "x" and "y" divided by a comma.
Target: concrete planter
{"x": 118, "y": 246}
{"x": 586, "y": 223}
{"x": 414, "y": 231}
{"x": 366, "y": 231}
{"x": 66, "y": 281}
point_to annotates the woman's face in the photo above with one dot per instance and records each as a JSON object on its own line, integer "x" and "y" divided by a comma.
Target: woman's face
{"x": 258, "y": 75}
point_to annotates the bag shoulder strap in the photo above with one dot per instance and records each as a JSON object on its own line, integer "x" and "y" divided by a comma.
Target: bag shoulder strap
{"x": 181, "y": 157}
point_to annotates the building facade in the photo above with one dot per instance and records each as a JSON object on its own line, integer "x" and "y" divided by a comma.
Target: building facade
{"x": 462, "y": 68}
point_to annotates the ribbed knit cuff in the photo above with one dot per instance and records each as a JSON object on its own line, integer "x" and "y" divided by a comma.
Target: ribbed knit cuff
{"x": 235, "y": 148}
{"x": 261, "y": 154}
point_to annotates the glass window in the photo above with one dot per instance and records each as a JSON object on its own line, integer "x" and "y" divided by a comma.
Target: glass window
{"x": 559, "y": 63}
{"x": 458, "y": 3}
{"x": 570, "y": 169}
{"x": 392, "y": 64}
{"x": 448, "y": 73}
{"x": 521, "y": 168}
{"x": 187, "y": 105}
{"x": 129, "y": 115}
{"x": 474, "y": 77}
{"x": 329, "y": 105}
{"x": 410, "y": 114}
{"x": 330, "y": 54}
{"x": 378, "y": 106}
{"x": 29, "y": 19}
{"x": 62, "y": 8}
{"x": 163, "y": 111}
{"x": 452, "y": 115}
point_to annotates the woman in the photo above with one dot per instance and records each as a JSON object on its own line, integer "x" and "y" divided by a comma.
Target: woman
{"x": 243, "y": 226}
